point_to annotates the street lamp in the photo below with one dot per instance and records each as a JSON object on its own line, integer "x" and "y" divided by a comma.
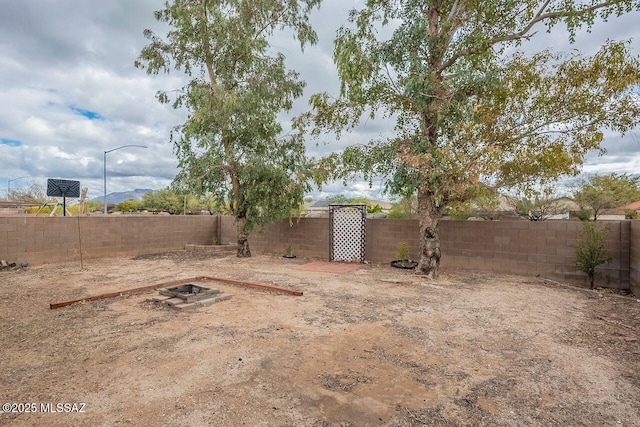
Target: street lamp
{"x": 105, "y": 170}
{"x": 9, "y": 183}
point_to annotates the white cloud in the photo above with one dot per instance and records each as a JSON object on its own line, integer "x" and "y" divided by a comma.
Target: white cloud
{"x": 57, "y": 55}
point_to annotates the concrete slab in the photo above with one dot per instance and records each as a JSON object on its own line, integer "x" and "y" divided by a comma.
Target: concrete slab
{"x": 173, "y": 301}
{"x": 183, "y": 306}
{"x": 209, "y": 301}
{"x": 179, "y": 304}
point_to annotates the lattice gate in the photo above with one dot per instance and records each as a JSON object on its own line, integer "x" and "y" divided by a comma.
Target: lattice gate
{"x": 348, "y": 232}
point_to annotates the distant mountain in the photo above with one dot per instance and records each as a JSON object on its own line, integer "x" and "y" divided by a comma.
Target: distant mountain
{"x": 124, "y": 195}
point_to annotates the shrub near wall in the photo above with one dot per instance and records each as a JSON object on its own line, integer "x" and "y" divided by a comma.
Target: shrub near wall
{"x": 546, "y": 248}
{"x": 40, "y": 240}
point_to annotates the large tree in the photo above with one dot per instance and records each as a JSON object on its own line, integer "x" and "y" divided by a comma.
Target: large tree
{"x": 232, "y": 145}
{"x": 469, "y": 106}
{"x": 599, "y": 193}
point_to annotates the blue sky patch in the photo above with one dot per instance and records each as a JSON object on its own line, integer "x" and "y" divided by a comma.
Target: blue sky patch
{"x": 91, "y": 115}
{"x": 10, "y": 142}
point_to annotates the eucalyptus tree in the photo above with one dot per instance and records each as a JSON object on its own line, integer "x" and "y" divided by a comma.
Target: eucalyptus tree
{"x": 232, "y": 146}
{"x": 470, "y": 107}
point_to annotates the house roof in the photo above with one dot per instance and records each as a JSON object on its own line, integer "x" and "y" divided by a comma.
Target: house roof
{"x": 633, "y": 205}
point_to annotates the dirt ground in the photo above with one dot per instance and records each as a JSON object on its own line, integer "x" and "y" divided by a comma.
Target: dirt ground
{"x": 377, "y": 346}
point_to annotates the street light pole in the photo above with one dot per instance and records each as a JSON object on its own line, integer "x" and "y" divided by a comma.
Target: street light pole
{"x": 9, "y": 183}
{"x": 105, "y": 169}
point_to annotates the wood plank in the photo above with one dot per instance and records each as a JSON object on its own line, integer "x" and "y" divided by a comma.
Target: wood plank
{"x": 262, "y": 286}
{"x": 55, "y": 305}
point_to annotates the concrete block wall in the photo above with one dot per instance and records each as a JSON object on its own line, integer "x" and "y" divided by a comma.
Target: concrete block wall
{"x": 228, "y": 234}
{"x": 308, "y": 237}
{"x": 634, "y": 256}
{"x": 40, "y": 240}
{"x": 522, "y": 247}
{"x": 546, "y": 248}
{"x": 533, "y": 248}
{"x": 383, "y": 236}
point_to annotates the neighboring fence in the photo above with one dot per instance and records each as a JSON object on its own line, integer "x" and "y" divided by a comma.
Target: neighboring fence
{"x": 521, "y": 247}
{"x": 40, "y": 240}
{"x": 546, "y": 248}
{"x": 634, "y": 257}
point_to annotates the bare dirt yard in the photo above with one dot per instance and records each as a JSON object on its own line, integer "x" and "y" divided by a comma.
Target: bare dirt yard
{"x": 376, "y": 346}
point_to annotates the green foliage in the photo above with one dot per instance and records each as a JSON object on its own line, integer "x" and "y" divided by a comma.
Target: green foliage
{"x": 374, "y": 209}
{"x": 599, "y": 193}
{"x": 538, "y": 208}
{"x": 162, "y": 201}
{"x": 582, "y": 215}
{"x": 167, "y": 200}
{"x": 630, "y": 214}
{"x": 342, "y": 199}
{"x": 397, "y": 211}
{"x": 468, "y": 110}
{"x": 173, "y": 202}
{"x": 95, "y": 206}
{"x": 461, "y": 211}
{"x": 73, "y": 209}
{"x": 402, "y": 250}
{"x": 338, "y": 199}
{"x": 531, "y": 209}
{"x": 483, "y": 203}
{"x": 34, "y": 209}
{"x": 406, "y": 208}
{"x": 206, "y": 203}
{"x": 590, "y": 249}
{"x": 193, "y": 203}
{"x": 469, "y": 106}
{"x": 371, "y": 208}
{"x": 232, "y": 147}
{"x": 129, "y": 205}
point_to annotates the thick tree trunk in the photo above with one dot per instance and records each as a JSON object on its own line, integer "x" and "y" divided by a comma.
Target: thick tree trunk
{"x": 243, "y": 239}
{"x": 428, "y": 220}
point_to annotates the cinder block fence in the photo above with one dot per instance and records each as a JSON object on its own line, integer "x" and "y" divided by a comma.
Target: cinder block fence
{"x": 544, "y": 248}
{"x": 521, "y": 247}
{"x": 634, "y": 258}
{"x": 40, "y": 240}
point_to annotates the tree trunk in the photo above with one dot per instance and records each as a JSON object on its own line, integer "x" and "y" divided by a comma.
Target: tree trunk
{"x": 428, "y": 220}
{"x": 243, "y": 239}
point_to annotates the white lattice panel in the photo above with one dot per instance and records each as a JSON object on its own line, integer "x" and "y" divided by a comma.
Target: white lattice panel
{"x": 348, "y": 230}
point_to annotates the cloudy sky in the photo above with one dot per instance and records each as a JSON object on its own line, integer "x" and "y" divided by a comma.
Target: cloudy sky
{"x": 69, "y": 92}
